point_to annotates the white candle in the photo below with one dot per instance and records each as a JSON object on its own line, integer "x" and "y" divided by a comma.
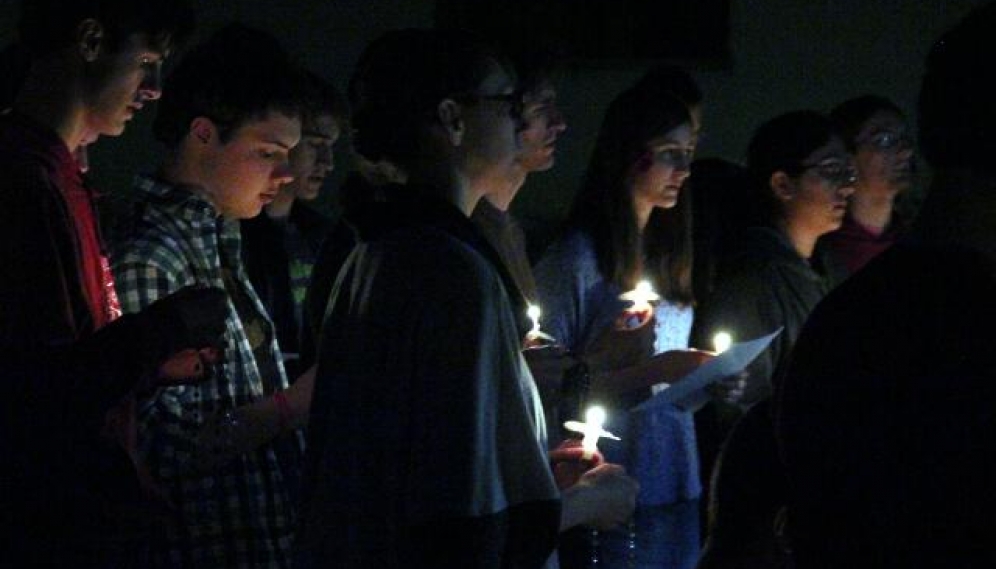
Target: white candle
{"x": 592, "y": 430}
{"x": 722, "y": 341}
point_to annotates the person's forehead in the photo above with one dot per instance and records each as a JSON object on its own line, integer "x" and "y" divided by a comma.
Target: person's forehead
{"x": 833, "y": 149}
{"x": 322, "y": 126}
{"x": 272, "y": 127}
{"x": 883, "y": 120}
{"x": 140, "y": 42}
{"x": 542, "y": 91}
{"x": 680, "y": 134}
{"x": 497, "y": 80}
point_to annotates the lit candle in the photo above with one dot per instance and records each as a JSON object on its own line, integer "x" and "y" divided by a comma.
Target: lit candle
{"x": 534, "y": 313}
{"x": 536, "y": 337}
{"x": 591, "y": 430}
{"x": 722, "y": 341}
{"x": 642, "y": 296}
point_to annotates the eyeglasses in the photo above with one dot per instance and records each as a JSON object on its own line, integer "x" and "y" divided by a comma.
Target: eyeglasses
{"x": 840, "y": 174}
{"x": 887, "y": 140}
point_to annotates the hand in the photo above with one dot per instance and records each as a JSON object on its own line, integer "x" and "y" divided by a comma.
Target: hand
{"x": 603, "y": 498}
{"x": 617, "y": 348}
{"x": 299, "y": 398}
{"x": 731, "y": 389}
{"x": 633, "y": 318}
{"x": 191, "y": 318}
{"x": 569, "y": 464}
{"x": 672, "y": 365}
{"x": 188, "y": 367}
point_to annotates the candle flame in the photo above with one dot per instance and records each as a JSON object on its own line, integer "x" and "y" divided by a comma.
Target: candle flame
{"x": 722, "y": 341}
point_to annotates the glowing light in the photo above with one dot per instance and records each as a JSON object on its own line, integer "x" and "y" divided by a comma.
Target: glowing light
{"x": 592, "y": 430}
{"x": 534, "y": 312}
{"x": 642, "y": 296}
{"x": 722, "y": 342}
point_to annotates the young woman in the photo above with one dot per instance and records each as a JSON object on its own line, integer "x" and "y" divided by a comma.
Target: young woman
{"x": 630, "y": 222}
{"x": 875, "y": 130}
{"x": 802, "y": 176}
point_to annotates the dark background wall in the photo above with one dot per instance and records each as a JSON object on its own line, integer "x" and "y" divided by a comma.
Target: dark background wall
{"x": 783, "y": 55}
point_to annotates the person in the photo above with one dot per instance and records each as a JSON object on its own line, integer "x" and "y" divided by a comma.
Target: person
{"x": 227, "y": 451}
{"x": 802, "y": 177}
{"x": 72, "y": 492}
{"x": 280, "y": 246}
{"x": 627, "y": 223}
{"x": 885, "y": 413}
{"x": 426, "y": 437}
{"x": 875, "y": 131}
{"x": 542, "y": 126}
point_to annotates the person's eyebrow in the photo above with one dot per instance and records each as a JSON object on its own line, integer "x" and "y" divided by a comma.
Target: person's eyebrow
{"x": 316, "y": 134}
{"x": 276, "y": 142}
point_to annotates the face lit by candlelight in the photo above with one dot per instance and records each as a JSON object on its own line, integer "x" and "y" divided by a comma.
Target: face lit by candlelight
{"x": 312, "y": 159}
{"x": 542, "y": 124}
{"x": 658, "y": 177}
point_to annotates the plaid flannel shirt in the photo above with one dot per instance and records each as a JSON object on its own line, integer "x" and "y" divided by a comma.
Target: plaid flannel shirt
{"x": 243, "y": 514}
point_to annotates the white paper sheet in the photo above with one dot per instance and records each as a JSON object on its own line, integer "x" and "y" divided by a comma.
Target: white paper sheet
{"x": 689, "y": 392}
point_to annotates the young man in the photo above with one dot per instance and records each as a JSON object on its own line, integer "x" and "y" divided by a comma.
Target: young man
{"x": 280, "y": 246}
{"x": 66, "y": 358}
{"x": 227, "y": 450}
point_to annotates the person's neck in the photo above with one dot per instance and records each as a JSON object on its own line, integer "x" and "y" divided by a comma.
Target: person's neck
{"x": 51, "y": 96}
{"x": 642, "y": 216}
{"x": 872, "y": 211}
{"x": 448, "y": 184}
{"x": 803, "y": 240}
{"x": 281, "y": 205}
{"x": 959, "y": 209}
{"x": 504, "y": 191}
{"x": 179, "y": 171}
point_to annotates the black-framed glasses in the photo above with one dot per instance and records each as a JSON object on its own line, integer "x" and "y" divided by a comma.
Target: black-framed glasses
{"x": 840, "y": 174}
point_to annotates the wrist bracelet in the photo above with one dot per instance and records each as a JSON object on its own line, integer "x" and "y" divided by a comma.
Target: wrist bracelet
{"x": 283, "y": 409}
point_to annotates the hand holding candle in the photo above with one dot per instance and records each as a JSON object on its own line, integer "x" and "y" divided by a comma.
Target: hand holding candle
{"x": 573, "y": 458}
{"x": 642, "y": 298}
{"x": 591, "y": 430}
{"x": 536, "y": 338}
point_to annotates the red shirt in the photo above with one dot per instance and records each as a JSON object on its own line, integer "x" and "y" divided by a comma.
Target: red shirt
{"x": 95, "y": 271}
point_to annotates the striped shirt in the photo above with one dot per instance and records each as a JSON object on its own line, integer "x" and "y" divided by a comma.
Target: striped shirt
{"x": 241, "y": 514}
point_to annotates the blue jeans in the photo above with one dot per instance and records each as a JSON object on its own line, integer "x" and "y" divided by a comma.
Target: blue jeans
{"x": 666, "y": 537}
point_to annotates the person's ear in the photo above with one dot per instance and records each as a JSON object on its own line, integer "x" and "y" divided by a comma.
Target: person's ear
{"x": 782, "y": 186}
{"x": 450, "y": 116}
{"x": 89, "y": 39}
{"x": 203, "y": 130}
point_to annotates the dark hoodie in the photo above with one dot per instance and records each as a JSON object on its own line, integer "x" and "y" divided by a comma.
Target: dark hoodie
{"x": 425, "y": 439}
{"x": 62, "y": 484}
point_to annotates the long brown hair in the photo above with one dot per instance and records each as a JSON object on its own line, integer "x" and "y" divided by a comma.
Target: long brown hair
{"x": 603, "y": 207}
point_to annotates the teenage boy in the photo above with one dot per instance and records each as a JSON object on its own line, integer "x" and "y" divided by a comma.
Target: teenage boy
{"x": 280, "y": 246}
{"x": 226, "y": 450}
{"x": 65, "y": 358}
